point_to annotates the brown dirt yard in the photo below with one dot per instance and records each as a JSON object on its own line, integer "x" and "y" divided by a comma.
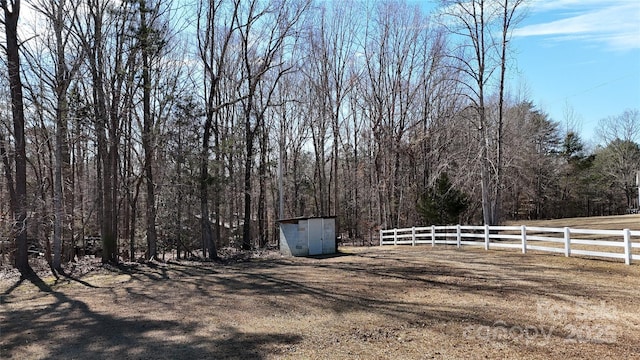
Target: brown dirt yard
{"x": 365, "y": 303}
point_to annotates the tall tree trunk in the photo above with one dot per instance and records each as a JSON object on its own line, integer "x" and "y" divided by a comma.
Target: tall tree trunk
{"x": 63, "y": 178}
{"x": 106, "y": 164}
{"x": 262, "y": 197}
{"x": 7, "y": 172}
{"x": 488, "y": 199}
{"x": 58, "y": 193}
{"x": 218, "y": 195}
{"x": 11, "y": 15}
{"x": 213, "y": 60}
{"x": 334, "y": 163}
{"x": 147, "y": 135}
{"x": 208, "y": 243}
{"x": 68, "y": 194}
{"x": 248, "y": 165}
{"x": 508, "y": 16}
{"x": 499, "y": 136}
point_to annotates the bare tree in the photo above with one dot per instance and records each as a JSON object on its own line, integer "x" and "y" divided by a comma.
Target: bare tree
{"x": 146, "y": 50}
{"x": 484, "y": 28}
{"x": 264, "y": 29}
{"x": 509, "y": 17}
{"x": 151, "y": 44}
{"x": 625, "y": 126}
{"x": 333, "y": 51}
{"x": 11, "y": 14}
{"x": 531, "y": 142}
{"x": 216, "y": 28}
{"x": 293, "y": 135}
{"x": 396, "y": 35}
{"x": 619, "y": 159}
{"x": 572, "y": 120}
{"x": 61, "y": 17}
{"x": 106, "y": 31}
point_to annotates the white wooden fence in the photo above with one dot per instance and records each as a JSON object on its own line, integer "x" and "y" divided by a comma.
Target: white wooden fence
{"x": 561, "y": 240}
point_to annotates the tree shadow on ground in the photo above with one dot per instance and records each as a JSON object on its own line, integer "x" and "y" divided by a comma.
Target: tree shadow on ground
{"x": 107, "y": 336}
{"x": 338, "y": 294}
{"x": 337, "y": 254}
{"x": 362, "y": 283}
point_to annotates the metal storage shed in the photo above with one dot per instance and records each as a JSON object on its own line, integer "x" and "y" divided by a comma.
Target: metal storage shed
{"x": 308, "y": 236}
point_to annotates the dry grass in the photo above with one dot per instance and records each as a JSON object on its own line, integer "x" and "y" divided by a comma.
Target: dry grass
{"x": 619, "y": 222}
{"x": 367, "y": 303}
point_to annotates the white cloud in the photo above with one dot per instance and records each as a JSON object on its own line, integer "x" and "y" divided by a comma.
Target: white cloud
{"x": 615, "y": 24}
{"x": 552, "y": 5}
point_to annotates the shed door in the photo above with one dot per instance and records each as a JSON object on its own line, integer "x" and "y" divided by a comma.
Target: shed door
{"x": 314, "y": 231}
{"x": 329, "y": 237}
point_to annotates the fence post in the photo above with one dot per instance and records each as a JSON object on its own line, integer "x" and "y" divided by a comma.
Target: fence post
{"x": 433, "y": 235}
{"x": 413, "y": 236}
{"x": 523, "y": 230}
{"x": 458, "y": 236}
{"x": 486, "y": 236}
{"x": 395, "y": 237}
{"x": 627, "y": 247}
{"x": 567, "y": 242}
{"x": 381, "y": 237}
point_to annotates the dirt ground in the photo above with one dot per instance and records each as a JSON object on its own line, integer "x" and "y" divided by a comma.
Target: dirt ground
{"x": 365, "y": 303}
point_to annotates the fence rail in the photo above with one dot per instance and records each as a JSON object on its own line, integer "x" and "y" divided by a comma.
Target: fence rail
{"x": 566, "y": 240}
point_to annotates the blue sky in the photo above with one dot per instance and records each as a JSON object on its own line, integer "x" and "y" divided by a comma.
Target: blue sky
{"x": 580, "y": 59}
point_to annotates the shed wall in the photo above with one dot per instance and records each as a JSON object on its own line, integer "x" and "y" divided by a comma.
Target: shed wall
{"x": 293, "y": 239}
{"x": 303, "y": 237}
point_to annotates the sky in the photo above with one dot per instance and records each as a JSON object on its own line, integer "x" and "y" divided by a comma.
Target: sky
{"x": 579, "y": 60}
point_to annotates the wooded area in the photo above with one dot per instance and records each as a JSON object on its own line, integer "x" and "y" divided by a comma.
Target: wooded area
{"x": 154, "y": 125}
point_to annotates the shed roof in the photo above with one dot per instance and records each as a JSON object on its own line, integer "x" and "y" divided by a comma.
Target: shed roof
{"x": 297, "y": 219}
